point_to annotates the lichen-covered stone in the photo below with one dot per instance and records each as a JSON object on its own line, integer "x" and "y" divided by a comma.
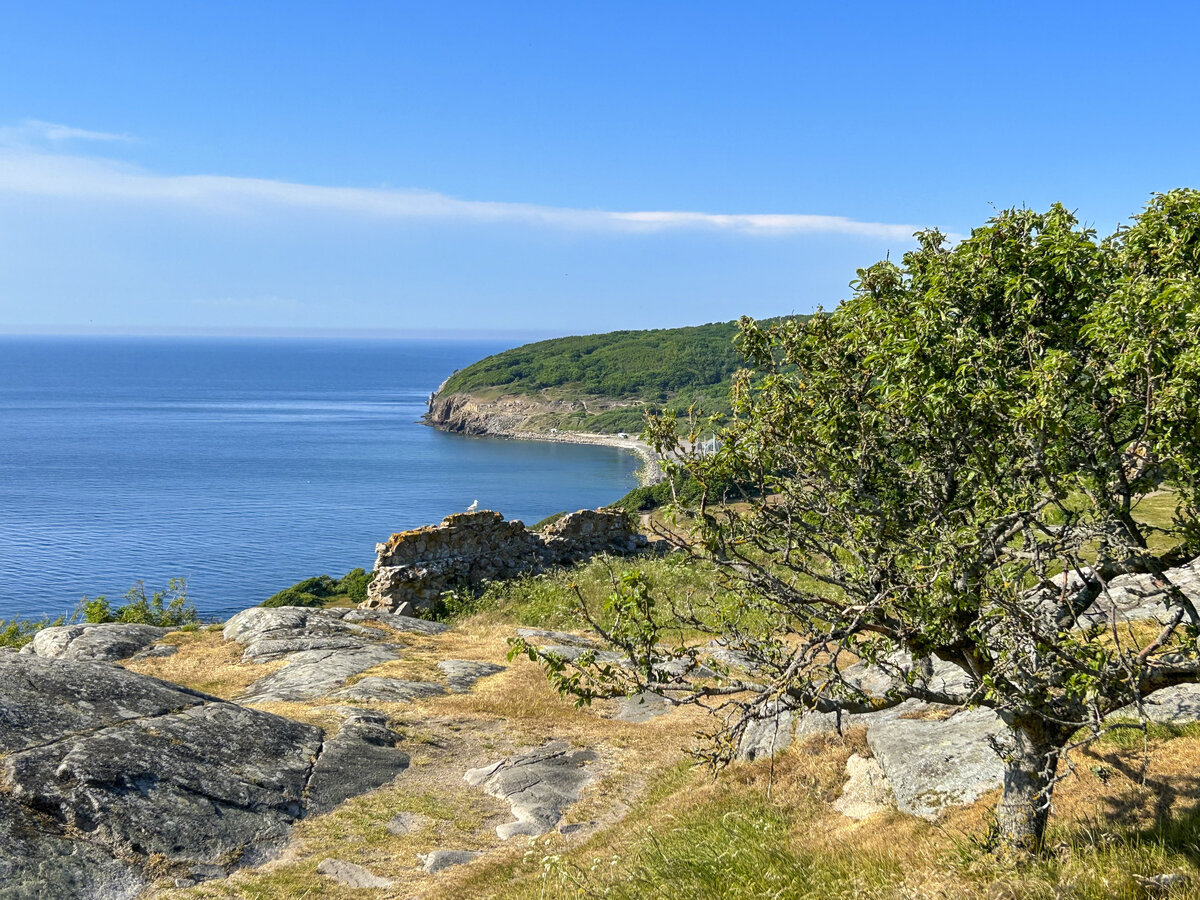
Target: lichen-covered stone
{"x": 104, "y": 770}
{"x": 109, "y": 641}
{"x": 414, "y": 568}
{"x": 538, "y": 785}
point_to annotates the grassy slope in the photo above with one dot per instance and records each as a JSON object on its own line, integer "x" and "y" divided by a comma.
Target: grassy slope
{"x": 756, "y": 831}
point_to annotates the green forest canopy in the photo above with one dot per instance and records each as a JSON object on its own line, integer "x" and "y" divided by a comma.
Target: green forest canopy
{"x": 653, "y": 366}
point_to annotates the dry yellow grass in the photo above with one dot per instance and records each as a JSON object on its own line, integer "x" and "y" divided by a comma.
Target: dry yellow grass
{"x": 205, "y": 662}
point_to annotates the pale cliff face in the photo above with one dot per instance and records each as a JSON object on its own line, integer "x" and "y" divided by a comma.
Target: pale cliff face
{"x": 468, "y": 414}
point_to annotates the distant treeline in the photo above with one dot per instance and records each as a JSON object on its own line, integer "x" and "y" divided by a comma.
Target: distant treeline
{"x": 644, "y": 365}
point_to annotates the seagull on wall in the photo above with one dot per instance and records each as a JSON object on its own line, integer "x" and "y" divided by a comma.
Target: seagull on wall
{"x": 474, "y": 506}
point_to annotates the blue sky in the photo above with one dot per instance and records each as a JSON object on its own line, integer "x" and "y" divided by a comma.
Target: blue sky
{"x": 549, "y": 167}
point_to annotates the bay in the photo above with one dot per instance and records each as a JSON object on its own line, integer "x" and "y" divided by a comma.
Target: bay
{"x": 243, "y": 465}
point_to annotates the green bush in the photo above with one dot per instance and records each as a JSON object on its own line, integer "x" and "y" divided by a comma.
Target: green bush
{"x": 322, "y": 590}
{"x": 169, "y": 608}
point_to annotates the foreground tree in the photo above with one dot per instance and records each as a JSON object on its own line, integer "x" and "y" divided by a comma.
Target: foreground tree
{"x": 945, "y": 473}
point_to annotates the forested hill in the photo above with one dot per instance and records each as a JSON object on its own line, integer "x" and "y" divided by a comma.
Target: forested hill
{"x": 598, "y": 382}
{"x": 621, "y": 364}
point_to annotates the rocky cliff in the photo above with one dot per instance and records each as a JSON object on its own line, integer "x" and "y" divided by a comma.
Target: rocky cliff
{"x": 510, "y": 415}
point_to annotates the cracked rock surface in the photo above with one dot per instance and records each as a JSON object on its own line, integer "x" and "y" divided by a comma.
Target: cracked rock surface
{"x": 538, "y": 786}
{"x": 323, "y": 649}
{"x": 361, "y": 757}
{"x": 101, "y": 768}
{"x": 109, "y": 641}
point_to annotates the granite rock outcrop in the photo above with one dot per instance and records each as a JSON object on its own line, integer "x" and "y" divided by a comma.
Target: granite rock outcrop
{"x": 414, "y": 568}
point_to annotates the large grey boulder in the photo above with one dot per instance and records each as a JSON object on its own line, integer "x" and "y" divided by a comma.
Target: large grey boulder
{"x": 102, "y": 769}
{"x": 933, "y": 764}
{"x": 1177, "y": 705}
{"x": 274, "y": 632}
{"x": 110, "y": 641}
{"x": 538, "y": 785}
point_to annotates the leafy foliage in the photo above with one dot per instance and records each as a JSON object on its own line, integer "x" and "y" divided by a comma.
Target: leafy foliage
{"x": 947, "y": 470}
{"x": 169, "y": 608}
{"x": 322, "y": 590}
{"x": 664, "y": 369}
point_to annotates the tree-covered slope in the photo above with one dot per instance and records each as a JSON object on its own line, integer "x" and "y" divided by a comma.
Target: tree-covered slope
{"x": 643, "y": 365}
{"x": 597, "y": 382}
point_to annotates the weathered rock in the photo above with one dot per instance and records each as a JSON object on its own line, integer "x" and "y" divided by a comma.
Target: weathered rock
{"x": 389, "y": 690}
{"x": 539, "y": 637}
{"x": 642, "y": 707}
{"x": 310, "y": 674}
{"x": 103, "y": 768}
{"x": 444, "y": 859}
{"x": 782, "y": 724}
{"x": 350, "y": 875}
{"x": 1134, "y": 597}
{"x": 37, "y": 863}
{"x": 461, "y": 674}
{"x": 110, "y": 641}
{"x": 408, "y": 822}
{"x": 273, "y": 633}
{"x": 538, "y": 785}
{"x": 414, "y": 568}
{"x": 395, "y": 621}
{"x": 1176, "y": 705}
{"x": 866, "y": 791}
{"x": 932, "y": 764}
{"x": 361, "y": 757}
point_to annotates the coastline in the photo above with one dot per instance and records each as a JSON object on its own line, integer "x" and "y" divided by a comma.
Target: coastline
{"x": 649, "y": 473}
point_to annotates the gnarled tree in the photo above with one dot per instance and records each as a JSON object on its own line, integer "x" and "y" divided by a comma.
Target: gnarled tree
{"x": 945, "y": 474}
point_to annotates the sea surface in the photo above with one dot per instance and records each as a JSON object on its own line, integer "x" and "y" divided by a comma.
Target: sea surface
{"x": 243, "y": 465}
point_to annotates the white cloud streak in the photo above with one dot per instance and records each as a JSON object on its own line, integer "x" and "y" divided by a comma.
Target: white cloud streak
{"x": 38, "y": 173}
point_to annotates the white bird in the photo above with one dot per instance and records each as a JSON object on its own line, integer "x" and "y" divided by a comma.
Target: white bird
{"x": 474, "y": 506}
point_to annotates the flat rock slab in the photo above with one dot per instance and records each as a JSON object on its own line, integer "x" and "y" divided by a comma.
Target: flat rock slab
{"x": 104, "y": 768}
{"x": 361, "y": 757}
{"x": 933, "y": 764}
{"x": 539, "y": 637}
{"x": 444, "y": 859}
{"x": 311, "y": 674}
{"x": 273, "y": 633}
{"x": 395, "y": 621}
{"x": 107, "y": 642}
{"x": 389, "y": 690}
{"x": 642, "y": 707}
{"x": 866, "y": 791}
{"x": 350, "y": 875}
{"x": 408, "y": 822}
{"x": 461, "y": 674}
{"x": 781, "y": 724}
{"x": 538, "y": 786}
{"x": 1177, "y": 705}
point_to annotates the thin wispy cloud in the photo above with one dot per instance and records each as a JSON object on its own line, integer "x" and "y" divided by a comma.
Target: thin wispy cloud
{"x": 39, "y": 172}
{"x": 35, "y": 131}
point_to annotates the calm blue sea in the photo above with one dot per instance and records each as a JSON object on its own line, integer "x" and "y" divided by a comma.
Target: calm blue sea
{"x": 243, "y": 465}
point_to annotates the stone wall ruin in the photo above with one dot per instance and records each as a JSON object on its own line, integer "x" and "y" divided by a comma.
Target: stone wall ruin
{"x": 414, "y": 568}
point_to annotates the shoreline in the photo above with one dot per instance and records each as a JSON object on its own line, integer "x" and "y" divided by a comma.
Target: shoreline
{"x": 649, "y": 473}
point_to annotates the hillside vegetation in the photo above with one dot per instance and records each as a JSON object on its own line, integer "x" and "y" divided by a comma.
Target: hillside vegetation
{"x": 668, "y": 368}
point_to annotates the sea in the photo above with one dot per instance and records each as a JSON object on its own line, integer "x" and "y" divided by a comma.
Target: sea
{"x": 244, "y": 465}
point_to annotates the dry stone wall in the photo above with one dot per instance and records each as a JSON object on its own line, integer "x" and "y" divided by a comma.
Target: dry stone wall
{"x": 414, "y": 568}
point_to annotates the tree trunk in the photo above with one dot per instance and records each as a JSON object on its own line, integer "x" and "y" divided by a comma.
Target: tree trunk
{"x": 1029, "y": 769}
